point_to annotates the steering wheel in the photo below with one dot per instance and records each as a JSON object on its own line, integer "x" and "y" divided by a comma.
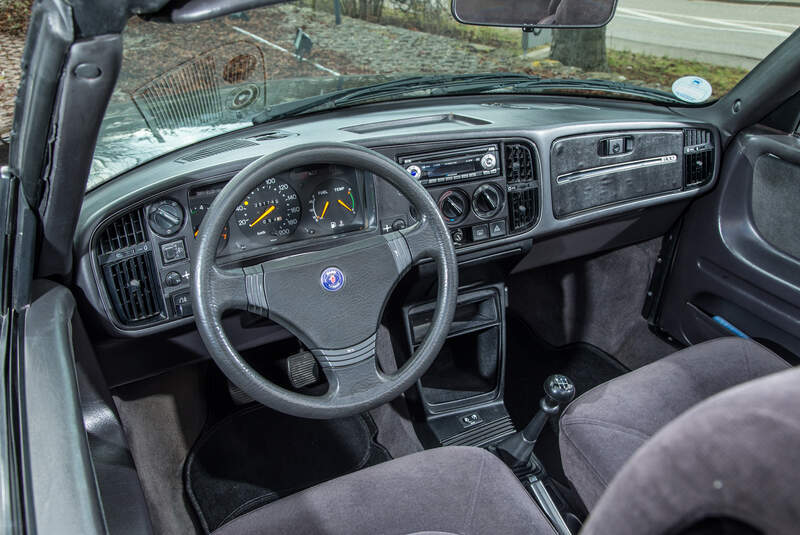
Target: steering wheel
{"x": 332, "y": 299}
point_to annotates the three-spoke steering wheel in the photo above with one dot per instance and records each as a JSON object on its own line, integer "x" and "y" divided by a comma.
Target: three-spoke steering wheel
{"x": 332, "y": 300}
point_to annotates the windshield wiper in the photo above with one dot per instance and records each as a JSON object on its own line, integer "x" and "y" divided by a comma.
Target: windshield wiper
{"x": 622, "y": 88}
{"x": 454, "y": 85}
{"x": 431, "y": 83}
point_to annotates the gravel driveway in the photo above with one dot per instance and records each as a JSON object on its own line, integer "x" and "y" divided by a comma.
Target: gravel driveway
{"x": 10, "y": 55}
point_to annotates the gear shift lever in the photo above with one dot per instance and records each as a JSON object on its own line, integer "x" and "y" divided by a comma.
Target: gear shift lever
{"x": 516, "y": 450}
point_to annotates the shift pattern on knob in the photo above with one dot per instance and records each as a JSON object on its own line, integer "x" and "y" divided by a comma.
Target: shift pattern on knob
{"x": 559, "y": 388}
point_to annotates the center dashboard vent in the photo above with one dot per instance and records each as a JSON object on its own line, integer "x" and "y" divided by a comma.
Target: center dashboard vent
{"x": 698, "y": 151}
{"x": 128, "y": 268}
{"x": 523, "y": 186}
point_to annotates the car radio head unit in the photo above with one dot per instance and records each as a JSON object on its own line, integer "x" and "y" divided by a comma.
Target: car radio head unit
{"x": 453, "y": 165}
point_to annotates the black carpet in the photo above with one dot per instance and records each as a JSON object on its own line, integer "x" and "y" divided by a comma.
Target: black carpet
{"x": 256, "y": 455}
{"x": 530, "y": 361}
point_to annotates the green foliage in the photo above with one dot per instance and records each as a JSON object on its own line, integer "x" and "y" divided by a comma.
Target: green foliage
{"x": 14, "y": 16}
{"x": 663, "y": 71}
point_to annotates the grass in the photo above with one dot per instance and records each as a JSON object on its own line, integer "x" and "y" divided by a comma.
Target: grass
{"x": 654, "y": 70}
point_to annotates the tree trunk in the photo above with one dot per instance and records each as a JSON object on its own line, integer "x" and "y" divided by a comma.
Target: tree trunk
{"x": 582, "y": 48}
{"x": 362, "y": 9}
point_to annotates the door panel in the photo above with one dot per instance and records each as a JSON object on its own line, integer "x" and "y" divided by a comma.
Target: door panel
{"x": 738, "y": 254}
{"x": 776, "y": 198}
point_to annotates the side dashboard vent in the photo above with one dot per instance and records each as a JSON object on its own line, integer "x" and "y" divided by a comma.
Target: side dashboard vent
{"x": 219, "y": 148}
{"x": 523, "y": 186}
{"x": 133, "y": 289}
{"x": 698, "y": 151}
{"x": 126, "y": 261}
{"x": 519, "y": 164}
{"x": 123, "y": 232}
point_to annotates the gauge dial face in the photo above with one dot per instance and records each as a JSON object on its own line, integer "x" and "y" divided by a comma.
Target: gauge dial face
{"x": 223, "y": 237}
{"x": 270, "y": 212}
{"x": 333, "y": 204}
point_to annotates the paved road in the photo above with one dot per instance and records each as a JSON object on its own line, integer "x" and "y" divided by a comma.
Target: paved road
{"x": 733, "y": 34}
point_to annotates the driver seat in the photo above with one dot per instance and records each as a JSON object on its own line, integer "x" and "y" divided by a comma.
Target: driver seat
{"x": 453, "y": 490}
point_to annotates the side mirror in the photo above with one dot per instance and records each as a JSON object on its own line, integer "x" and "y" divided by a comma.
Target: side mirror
{"x": 535, "y": 13}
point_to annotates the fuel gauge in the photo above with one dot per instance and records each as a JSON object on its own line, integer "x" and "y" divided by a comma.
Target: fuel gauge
{"x": 333, "y": 204}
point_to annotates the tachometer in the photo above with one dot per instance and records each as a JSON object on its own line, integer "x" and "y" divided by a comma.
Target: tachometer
{"x": 271, "y": 211}
{"x": 333, "y": 204}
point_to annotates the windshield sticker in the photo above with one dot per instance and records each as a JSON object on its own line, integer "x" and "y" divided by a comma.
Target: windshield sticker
{"x": 692, "y": 89}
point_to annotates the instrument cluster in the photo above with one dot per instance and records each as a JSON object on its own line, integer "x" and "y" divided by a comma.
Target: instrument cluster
{"x": 304, "y": 203}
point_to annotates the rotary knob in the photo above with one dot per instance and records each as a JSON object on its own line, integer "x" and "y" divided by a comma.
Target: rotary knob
{"x": 165, "y": 217}
{"x": 454, "y": 206}
{"x": 414, "y": 171}
{"x": 489, "y": 161}
{"x": 487, "y": 201}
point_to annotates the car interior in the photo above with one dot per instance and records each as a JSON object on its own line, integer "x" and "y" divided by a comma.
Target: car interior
{"x": 463, "y": 313}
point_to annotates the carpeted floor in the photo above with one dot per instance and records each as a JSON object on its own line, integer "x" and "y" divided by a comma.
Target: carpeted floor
{"x": 596, "y": 300}
{"x": 256, "y": 456}
{"x": 530, "y": 361}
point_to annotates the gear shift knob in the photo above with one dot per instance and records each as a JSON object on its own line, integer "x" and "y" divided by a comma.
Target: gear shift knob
{"x": 516, "y": 450}
{"x": 559, "y": 389}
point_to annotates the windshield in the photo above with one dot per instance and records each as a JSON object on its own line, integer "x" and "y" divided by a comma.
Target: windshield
{"x": 180, "y": 84}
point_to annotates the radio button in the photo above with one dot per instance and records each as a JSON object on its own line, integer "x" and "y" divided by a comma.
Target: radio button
{"x": 414, "y": 171}
{"x": 488, "y": 161}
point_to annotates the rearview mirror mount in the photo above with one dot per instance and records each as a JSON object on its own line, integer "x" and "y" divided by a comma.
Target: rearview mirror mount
{"x": 530, "y": 14}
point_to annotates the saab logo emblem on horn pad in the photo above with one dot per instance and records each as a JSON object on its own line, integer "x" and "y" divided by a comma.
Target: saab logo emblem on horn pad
{"x": 332, "y": 279}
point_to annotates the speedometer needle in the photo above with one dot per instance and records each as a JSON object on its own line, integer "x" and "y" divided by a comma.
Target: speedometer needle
{"x": 343, "y": 204}
{"x": 262, "y": 216}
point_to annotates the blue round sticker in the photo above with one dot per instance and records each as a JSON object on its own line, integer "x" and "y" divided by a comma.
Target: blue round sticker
{"x": 332, "y": 279}
{"x": 692, "y": 89}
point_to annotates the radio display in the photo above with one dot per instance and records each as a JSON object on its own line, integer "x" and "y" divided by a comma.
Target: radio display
{"x": 452, "y": 165}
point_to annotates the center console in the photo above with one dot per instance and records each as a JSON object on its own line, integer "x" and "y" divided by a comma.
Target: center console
{"x": 462, "y": 393}
{"x": 485, "y": 191}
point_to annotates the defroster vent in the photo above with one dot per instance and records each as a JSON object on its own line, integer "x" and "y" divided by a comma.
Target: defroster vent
{"x": 698, "y": 150}
{"x": 523, "y": 186}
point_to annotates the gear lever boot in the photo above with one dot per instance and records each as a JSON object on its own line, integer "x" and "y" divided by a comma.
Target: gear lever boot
{"x": 516, "y": 450}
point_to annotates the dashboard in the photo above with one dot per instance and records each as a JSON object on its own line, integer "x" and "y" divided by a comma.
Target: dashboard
{"x": 506, "y": 176}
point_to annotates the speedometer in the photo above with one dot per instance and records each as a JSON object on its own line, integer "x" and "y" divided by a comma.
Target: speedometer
{"x": 270, "y": 212}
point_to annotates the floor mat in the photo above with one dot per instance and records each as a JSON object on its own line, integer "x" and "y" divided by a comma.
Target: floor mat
{"x": 256, "y": 456}
{"x": 530, "y": 361}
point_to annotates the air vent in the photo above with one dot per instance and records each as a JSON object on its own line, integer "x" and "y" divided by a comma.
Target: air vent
{"x": 523, "y": 208}
{"x": 519, "y": 164}
{"x": 698, "y": 157}
{"x": 275, "y": 134}
{"x": 123, "y": 232}
{"x": 219, "y": 148}
{"x": 132, "y": 288}
{"x": 523, "y": 191}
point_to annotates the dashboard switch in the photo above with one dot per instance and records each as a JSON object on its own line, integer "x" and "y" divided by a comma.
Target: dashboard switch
{"x": 182, "y": 304}
{"x": 497, "y": 229}
{"x": 173, "y": 251}
{"x": 480, "y": 232}
{"x": 173, "y": 278}
{"x": 399, "y": 224}
{"x": 458, "y": 236}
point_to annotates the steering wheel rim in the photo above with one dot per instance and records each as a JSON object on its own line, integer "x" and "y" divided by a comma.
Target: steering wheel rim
{"x": 345, "y": 353}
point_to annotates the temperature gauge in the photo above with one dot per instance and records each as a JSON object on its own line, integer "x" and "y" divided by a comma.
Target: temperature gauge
{"x": 333, "y": 204}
